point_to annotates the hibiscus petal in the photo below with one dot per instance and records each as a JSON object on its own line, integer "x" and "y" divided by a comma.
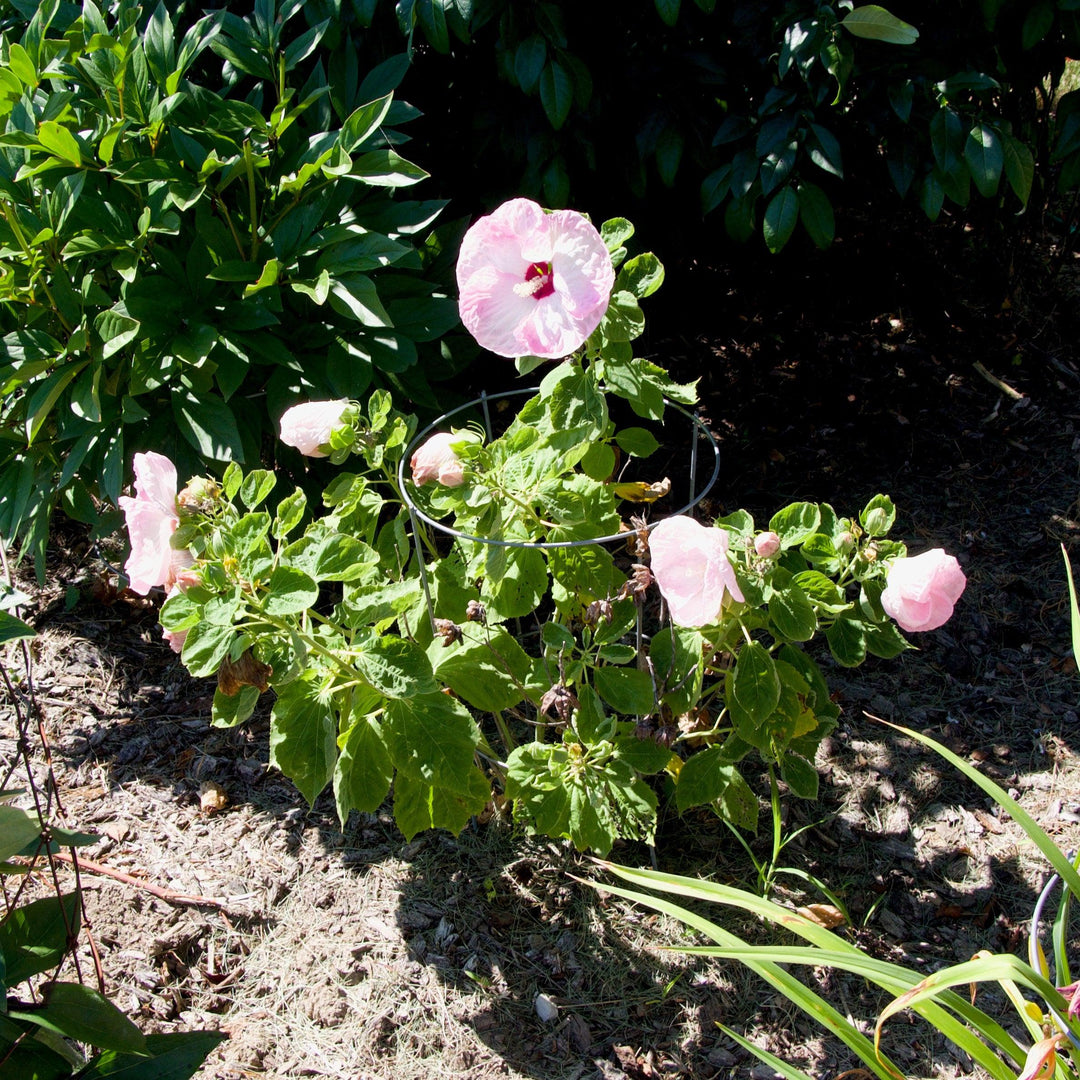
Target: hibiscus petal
{"x": 493, "y": 312}
{"x": 155, "y": 480}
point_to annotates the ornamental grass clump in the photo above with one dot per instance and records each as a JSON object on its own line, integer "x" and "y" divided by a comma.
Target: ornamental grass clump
{"x": 452, "y": 620}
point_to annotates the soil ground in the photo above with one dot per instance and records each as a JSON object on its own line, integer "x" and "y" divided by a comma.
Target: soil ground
{"x": 351, "y": 953}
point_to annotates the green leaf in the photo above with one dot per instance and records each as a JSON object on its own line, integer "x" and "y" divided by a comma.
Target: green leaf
{"x": 1040, "y": 19}
{"x": 756, "y": 685}
{"x": 291, "y": 592}
{"x": 81, "y": 1013}
{"x": 676, "y": 656}
{"x": 173, "y": 1056}
{"x": 627, "y": 690}
{"x": 432, "y": 738}
{"x": 556, "y": 93}
{"x": 704, "y": 778}
{"x": 795, "y": 523}
{"x": 303, "y": 742}
{"x": 364, "y": 770}
{"x": 363, "y": 122}
{"x": 419, "y": 805}
{"x": 529, "y": 61}
{"x": 641, "y": 276}
{"x": 637, "y": 442}
{"x": 208, "y": 424}
{"x": 799, "y": 775}
{"x": 615, "y": 232}
{"x": 847, "y": 642}
{"x": 256, "y": 487}
{"x": 11, "y": 629}
{"x": 490, "y": 674}
{"x": 396, "y": 668}
{"x": 18, "y": 830}
{"x": 985, "y": 157}
{"x": 668, "y": 10}
{"x": 874, "y": 22}
{"x": 385, "y": 168}
{"x": 780, "y": 217}
{"x": 229, "y": 710}
{"x": 878, "y": 516}
{"x": 790, "y": 610}
{"x": 34, "y": 936}
{"x": 816, "y": 214}
{"x": 205, "y": 647}
{"x": 1019, "y": 167}
{"x": 60, "y": 142}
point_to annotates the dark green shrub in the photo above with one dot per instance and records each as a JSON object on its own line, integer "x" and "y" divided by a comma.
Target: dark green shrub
{"x": 771, "y": 112}
{"x": 198, "y": 224}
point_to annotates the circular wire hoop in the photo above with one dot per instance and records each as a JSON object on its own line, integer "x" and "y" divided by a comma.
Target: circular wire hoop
{"x": 698, "y": 428}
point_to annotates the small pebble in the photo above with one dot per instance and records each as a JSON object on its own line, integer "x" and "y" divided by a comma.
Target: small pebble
{"x": 546, "y": 1009}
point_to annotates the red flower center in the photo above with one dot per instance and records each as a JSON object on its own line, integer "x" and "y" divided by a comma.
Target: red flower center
{"x": 539, "y": 276}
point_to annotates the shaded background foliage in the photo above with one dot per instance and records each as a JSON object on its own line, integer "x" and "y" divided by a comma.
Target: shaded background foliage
{"x": 726, "y": 130}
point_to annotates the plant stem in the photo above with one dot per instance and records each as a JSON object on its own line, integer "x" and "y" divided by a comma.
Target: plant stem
{"x": 777, "y": 842}
{"x": 253, "y": 206}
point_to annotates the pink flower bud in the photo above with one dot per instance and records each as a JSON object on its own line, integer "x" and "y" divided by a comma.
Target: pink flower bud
{"x": 690, "y": 564}
{"x": 766, "y": 544}
{"x": 309, "y": 425}
{"x": 920, "y": 592}
{"x": 435, "y": 459}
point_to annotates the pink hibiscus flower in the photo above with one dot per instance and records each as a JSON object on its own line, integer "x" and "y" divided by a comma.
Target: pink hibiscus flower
{"x": 532, "y": 283}
{"x": 690, "y": 564}
{"x": 920, "y": 592}
{"x": 151, "y": 520}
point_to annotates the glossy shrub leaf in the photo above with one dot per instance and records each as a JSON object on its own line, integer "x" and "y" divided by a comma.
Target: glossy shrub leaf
{"x": 677, "y": 659}
{"x": 556, "y": 93}
{"x": 529, "y": 59}
{"x": 985, "y": 157}
{"x": 816, "y": 214}
{"x": 490, "y": 675}
{"x": 81, "y": 1013}
{"x": 172, "y": 1056}
{"x": 1019, "y": 167}
{"x": 875, "y": 22}
{"x": 205, "y": 647}
{"x": 668, "y": 10}
{"x": 34, "y": 937}
{"x": 780, "y": 217}
{"x": 18, "y": 830}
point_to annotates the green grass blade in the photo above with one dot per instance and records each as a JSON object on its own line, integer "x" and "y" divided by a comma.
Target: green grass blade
{"x": 782, "y": 1067}
{"x": 1073, "y": 607}
{"x": 1055, "y": 856}
{"x": 896, "y": 980}
{"x": 815, "y": 1006}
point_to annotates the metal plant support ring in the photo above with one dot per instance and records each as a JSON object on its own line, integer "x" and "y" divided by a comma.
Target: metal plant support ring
{"x": 699, "y": 429}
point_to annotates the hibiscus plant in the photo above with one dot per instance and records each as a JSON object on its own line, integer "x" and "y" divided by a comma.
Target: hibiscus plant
{"x": 461, "y": 618}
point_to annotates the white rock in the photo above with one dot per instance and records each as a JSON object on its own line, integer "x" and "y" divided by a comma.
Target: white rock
{"x": 546, "y": 1009}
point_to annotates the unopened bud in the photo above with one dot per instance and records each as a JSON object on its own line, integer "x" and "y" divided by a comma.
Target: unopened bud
{"x": 845, "y": 542}
{"x": 766, "y": 544}
{"x": 200, "y": 495}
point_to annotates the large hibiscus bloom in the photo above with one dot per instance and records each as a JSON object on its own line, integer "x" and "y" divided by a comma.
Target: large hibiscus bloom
{"x": 532, "y": 283}
{"x": 151, "y": 520}
{"x": 690, "y": 564}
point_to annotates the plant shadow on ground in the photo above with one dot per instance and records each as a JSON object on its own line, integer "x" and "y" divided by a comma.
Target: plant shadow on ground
{"x": 352, "y": 953}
